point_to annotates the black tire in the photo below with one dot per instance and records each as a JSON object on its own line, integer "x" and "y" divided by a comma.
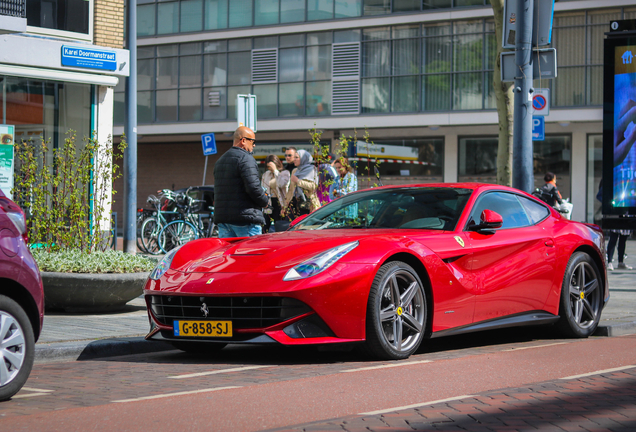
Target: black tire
{"x": 395, "y": 326}
{"x": 581, "y": 297}
{"x": 198, "y": 347}
{"x": 175, "y": 234}
{"x": 16, "y": 353}
{"x": 150, "y": 236}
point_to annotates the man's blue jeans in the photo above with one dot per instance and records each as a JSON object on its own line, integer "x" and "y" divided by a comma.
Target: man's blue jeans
{"x": 229, "y": 230}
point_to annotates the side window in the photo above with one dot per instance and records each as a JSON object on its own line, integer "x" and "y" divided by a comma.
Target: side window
{"x": 536, "y": 212}
{"x": 506, "y": 204}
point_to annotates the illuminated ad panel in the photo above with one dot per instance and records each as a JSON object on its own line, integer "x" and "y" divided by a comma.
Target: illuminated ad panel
{"x": 624, "y": 173}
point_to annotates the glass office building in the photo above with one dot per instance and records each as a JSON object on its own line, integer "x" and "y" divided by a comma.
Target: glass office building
{"x": 417, "y": 76}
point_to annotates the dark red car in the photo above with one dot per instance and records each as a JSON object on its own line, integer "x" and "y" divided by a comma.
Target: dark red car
{"x": 21, "y": 300}
{"x": 386, "y": 267}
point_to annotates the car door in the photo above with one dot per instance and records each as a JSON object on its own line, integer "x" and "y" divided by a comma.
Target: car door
{"x": 514, "y": 264}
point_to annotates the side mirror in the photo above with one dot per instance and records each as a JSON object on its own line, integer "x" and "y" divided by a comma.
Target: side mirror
{"x": 489, "y": 220}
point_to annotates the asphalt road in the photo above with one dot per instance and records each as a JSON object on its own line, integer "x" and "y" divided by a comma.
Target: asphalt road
{"x": 504, "y": 380}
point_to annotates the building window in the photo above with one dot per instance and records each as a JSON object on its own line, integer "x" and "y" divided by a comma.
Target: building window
{"x": 189, "y": 15}
{"x": 406, "y": 161}
{"x": 65, "y": 15}
{"x": 478, "y": 159}
{"x": 554, "y": 154}
{"x": 594, "y": 175}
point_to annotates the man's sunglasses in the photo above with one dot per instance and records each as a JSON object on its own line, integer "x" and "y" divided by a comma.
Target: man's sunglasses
{"x": 251, "y": 139}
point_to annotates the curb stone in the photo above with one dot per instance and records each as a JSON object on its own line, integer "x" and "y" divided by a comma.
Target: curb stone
{"x": 93, "y": 349}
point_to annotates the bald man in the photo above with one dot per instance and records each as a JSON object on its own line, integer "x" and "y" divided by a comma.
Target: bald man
{"x": 238, "y": 195}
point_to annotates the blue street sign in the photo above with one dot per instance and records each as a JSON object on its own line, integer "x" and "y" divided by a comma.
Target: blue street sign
{"x": 538, "y": 128}
{"x": 209, "y": 144}
{"x": 89, "y": 58}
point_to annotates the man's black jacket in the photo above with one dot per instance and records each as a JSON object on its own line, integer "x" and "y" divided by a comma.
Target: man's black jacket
{"x": 238, "y": 195}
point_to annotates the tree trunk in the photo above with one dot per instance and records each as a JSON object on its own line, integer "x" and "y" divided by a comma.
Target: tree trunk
{"x": 505, "y": 104}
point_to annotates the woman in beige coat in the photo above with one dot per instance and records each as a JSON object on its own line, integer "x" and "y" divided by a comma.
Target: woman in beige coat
{"x": 303, "y": 185}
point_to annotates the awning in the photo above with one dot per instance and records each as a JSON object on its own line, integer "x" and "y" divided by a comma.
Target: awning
{"x": 59, "y": 75}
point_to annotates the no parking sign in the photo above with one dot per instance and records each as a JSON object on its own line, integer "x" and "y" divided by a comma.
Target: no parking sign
{"x": 541, "y": 102}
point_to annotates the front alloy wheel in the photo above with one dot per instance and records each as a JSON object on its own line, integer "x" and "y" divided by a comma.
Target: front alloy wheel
{"x": 581, "y": 297}
{"x": 396, "y": 312}
{"x": 17, "y": 347}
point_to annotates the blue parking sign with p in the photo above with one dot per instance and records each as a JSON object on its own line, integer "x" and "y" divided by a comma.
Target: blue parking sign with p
{"x": 209, "y": 144}
{"x": 538, "y": 128}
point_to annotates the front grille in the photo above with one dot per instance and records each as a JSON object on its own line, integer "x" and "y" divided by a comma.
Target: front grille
{"x": 244, "y": 312}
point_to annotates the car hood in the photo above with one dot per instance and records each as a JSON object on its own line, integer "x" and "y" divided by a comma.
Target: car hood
{"x": 269, "y": 252}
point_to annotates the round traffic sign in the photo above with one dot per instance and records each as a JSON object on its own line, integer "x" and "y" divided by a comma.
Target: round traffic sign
{"x": 539, "y": 102}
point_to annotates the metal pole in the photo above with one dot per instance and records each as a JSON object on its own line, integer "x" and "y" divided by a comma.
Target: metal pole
{"x": 130, "y": 129}
{"x": 205, "y": 170}
{"x": 522, "y": 163}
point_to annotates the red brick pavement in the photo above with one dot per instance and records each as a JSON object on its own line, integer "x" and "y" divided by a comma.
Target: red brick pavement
{"x": 598, "y": 403}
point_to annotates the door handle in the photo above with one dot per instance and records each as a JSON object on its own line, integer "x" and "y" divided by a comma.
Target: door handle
{"x": 549, "y": 243}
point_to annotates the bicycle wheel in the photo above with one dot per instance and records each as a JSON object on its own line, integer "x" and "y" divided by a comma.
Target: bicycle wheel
{"x": 140, "y": 221}
{"x": 150, "y": 230}
{"x": 175, "y": 234}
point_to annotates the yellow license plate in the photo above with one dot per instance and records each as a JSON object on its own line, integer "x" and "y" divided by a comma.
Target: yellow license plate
{"x": 202, "y": 328}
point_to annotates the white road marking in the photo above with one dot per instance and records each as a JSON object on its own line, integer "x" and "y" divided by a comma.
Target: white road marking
{"x": 599, "y": 372}
{"x": 26, "y": 395}
{"x": 537, "y": 346}
{"x": 220, "y": 371}
{"x": 176, "y": 394}
{"x": 385, "y": 411}
{"x": 384, "y": 366}
{"x": 37, "y": 390}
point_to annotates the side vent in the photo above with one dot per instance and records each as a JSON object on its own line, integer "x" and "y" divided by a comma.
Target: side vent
{"x": 345, "y": 94}
{"x": 264, "y": 66}
{"x": 346, "y": 60}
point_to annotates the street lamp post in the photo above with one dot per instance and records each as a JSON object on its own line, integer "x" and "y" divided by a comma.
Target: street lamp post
{"x": 130, "y": 129}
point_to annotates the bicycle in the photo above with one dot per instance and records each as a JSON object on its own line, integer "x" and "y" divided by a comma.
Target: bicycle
{"x": 190, "y": 226}
{"x": 152, "y": 226}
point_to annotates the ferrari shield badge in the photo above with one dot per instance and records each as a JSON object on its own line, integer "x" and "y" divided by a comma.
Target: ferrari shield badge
{"x": 459, "y": 240}
{"x": 209, "y": 281}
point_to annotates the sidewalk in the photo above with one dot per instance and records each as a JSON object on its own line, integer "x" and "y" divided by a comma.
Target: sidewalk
{"x": 74, "y": 337}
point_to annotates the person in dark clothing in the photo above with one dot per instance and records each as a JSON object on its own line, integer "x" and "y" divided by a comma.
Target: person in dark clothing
{"x": 290, "y": 152}
{"x": 549, "y": 191}
{"x": 238, "y": 195}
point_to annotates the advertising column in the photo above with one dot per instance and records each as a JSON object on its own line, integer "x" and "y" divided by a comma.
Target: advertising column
{"x": 7, "y": 133}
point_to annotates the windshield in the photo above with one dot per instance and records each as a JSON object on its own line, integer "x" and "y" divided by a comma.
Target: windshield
{"x": 413, "y": 208}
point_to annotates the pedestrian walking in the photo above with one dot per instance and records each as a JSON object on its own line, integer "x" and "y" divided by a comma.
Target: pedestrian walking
{"x": 290, "y": 152}
{"x": 238, "y": 195}
{"x": 549, "y": 191}
{"x": 617, "y": 237}
{"x": 273, "y": 171}
{"x": 326, "y": 179}
{"x": 304, "y": 186}
{"x": 346, "y": 182}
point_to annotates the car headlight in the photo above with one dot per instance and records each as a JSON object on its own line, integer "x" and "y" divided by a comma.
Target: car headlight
{"x": 320, "y": 262}
{"x": 163, "y": 265}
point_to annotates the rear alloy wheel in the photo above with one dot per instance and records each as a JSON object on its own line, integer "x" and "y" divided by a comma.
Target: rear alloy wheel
{"x": 17, "y": 347}
{"x": 581, "y": 297}
{"x": 396, "y": 312}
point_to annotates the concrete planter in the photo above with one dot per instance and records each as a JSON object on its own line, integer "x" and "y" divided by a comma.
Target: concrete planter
{"x": 91, "y": 292}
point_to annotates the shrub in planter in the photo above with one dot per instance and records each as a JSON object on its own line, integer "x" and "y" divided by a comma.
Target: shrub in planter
{"x": 75, "y": 281}
{"x": 65, "y": 193}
